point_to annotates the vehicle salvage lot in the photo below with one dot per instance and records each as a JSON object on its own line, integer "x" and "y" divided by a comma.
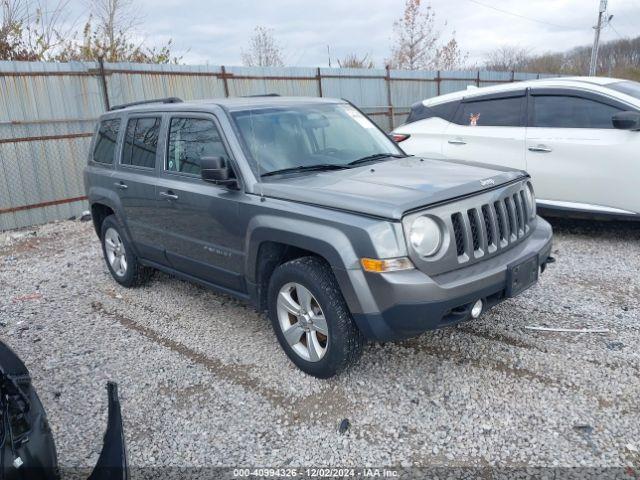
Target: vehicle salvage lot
{"x": 204, "y": 382}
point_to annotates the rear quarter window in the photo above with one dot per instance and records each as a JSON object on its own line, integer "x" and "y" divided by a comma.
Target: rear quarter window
{"x": 105, "y": 146}
{"x": 444, "y": 111}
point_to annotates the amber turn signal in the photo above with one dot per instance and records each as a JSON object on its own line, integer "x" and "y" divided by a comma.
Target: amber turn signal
{"x": 389, "y": 265}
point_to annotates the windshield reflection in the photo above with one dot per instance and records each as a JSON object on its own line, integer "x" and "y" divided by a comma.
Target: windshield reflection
{"x": 296, "y": 136}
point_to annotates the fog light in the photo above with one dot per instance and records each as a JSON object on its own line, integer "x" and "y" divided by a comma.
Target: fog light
{"x": 477, "y": 309}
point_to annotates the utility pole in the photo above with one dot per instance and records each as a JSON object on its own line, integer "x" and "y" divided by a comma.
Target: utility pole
{"x": 596, "y": 39}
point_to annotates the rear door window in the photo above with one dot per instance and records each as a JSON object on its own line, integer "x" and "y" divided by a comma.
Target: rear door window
{"x": 141, "y": 142}
{"x": 190, "y": 139}
{"x": 558, "y": 111}
{"x": 105, "y": 147}
{"x": 495, "y": 112}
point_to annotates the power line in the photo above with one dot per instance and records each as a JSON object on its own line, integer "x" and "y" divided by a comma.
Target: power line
{"x": 617, "y": 32}
{"x": 513, "y": 14}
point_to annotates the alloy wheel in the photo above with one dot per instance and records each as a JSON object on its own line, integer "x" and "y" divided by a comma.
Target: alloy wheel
{"x": 116, "y": 254}
{"x": 302, "y": 322}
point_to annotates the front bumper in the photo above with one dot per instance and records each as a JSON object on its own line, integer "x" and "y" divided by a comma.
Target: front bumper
{"x": 398, "y": 305}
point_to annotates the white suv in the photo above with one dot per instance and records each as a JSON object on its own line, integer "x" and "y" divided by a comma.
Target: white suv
{"x": 579, "y": 138}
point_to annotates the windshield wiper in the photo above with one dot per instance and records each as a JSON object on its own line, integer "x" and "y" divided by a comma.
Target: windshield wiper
{"x": 376, "y": 156}
{"x": 306, "y": 168}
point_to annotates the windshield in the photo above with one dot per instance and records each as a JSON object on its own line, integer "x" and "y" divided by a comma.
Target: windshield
{"x": 627, "y": 87}
{"x": 308, "y": 135}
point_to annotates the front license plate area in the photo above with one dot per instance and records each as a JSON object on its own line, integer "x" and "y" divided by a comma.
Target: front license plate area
{"x": 522, "y": 275}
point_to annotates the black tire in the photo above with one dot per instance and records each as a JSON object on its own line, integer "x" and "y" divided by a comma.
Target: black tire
{"x": 345, "y": 341}
{"x": 135, "y": 274}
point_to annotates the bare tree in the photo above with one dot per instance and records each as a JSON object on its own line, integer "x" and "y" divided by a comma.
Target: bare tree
{"x": 507, "y": 58}
{"x": 619, "y": 58}
{"x": 49, "y": 27}
{"x": 14, "y": 12}
{"x": 418, "y": 43}
{"x": 12, "y": 46}
{"x": 263, "y": 50}
{"x": 352, "y": 60}
{"x": 33, "y": 29}
{"x": 450, "y": 57}
{"x": 110, "y": 33}
{"x": 113, "y": 22}
{"x": 42, "y": 30}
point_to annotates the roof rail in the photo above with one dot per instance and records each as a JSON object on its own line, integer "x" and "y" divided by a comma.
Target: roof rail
{"x": 145, "y": 102}
{"x": 262, "y": 95}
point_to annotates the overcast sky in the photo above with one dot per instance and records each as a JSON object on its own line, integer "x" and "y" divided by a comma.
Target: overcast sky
{"x": 216, "y": 31}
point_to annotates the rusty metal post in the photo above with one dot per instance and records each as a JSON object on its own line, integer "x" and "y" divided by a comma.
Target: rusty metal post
{"x": 389, "y": 99}
{"x": 103, "y": 83}
{"x": 319, "y": 78}
{"x": 224, "y": 81}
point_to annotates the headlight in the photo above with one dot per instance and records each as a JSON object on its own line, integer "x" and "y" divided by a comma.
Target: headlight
{"x": 425, "y": 236}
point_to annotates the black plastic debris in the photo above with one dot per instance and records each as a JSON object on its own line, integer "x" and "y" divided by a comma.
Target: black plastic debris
{"x": 583, "y": 428}
{"x": 344, "y": 425}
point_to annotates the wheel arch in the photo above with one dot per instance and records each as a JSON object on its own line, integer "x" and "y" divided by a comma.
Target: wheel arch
{"x": 100, "y": 211}
{"x": 102, "y": 203}
{"x": 274, "y": 241}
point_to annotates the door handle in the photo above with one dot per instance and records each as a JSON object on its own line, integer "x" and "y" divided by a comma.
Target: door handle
{"x": 457, "y": 141}
{"x": 540, "y": 148}
{"x": 169, "y": 195}
{"x": 121, "y": 185}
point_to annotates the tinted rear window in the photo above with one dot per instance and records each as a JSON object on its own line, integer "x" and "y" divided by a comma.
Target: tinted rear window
{"x": 419, "y": 112}
{"x": 105, "y": 147}
{"x": 141, "y": 142}
{"x": 499, "y": 112}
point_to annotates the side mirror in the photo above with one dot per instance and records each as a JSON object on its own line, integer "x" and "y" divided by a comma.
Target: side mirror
{"x": 215, "y": 170}
{"x": 626, "y": 120}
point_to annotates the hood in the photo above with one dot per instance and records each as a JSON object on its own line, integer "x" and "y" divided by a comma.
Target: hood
{"x": 389, "y": 189}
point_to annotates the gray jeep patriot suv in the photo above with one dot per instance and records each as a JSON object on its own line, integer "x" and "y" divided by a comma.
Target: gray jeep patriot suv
{"x": 306, "y": 209}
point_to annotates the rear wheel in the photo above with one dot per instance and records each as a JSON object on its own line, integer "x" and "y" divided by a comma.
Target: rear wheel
{"x": 311, "y": 319}
{"x": 119, "y": 256}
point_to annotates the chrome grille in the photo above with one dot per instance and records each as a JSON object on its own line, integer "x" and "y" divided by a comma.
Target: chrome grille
{"x": 489, "y": 227}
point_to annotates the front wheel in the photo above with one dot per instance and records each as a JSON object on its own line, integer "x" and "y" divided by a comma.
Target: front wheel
{"x": 311, "y": 319}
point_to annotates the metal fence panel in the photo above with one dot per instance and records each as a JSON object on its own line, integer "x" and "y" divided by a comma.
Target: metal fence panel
{"x": 291, "y": 81}
{"x": 131, "y": 82}
{"x": 48, "y": 113}
{"x": 365, "y": 88}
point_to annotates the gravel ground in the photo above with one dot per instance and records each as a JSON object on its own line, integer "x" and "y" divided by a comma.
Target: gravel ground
{"x": 203, "y": 381}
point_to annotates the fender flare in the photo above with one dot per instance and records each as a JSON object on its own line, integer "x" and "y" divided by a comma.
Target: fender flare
{"x": 107, "y": 197}
{"x": 325, "y": 241}
{"x": 328, "y": 242}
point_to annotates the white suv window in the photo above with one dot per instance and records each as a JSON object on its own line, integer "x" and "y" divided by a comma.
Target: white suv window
{"x": 557, "y": 111}
{"x": 496, "y": 112}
